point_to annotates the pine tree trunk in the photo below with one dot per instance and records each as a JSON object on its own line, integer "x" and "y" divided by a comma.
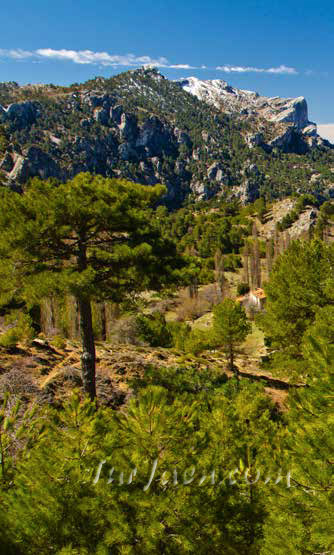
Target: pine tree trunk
{"x": 233, "y": 368}
{"x": 88, "y": 357}
{"x": 88, "y": 347}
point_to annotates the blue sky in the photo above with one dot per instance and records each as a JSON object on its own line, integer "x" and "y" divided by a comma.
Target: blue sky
{"x": 277, "y": 48}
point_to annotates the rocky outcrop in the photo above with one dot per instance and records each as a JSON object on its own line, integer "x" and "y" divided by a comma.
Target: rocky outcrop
{"x": 249, "y": 190}
{"x": 155, "y": 138}
{"x": 204, "y": 191}
{"x": 310, "y": 130}
{"x": 215, "y": 172}
{"x": 128, "y": 127}
{"x": 32, "y": 163}
{"x": 116, "y": 114}
{"x": 101, "y": 115}
{"x": 283, "y": 140}
{"x": 294, "y": 111}
{"x": 21, "y": 114}
{"x": 7, "y": 163}
{"x": 182, "y": 137}
{"x": 3, "y": 114}
{"x": 255, "y": 139}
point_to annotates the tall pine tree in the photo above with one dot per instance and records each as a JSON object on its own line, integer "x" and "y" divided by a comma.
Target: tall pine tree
{"x": 93, "y": 238}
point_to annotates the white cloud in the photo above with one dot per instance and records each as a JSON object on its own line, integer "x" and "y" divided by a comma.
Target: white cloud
{"x": 105, "y": 59}
{"x": 280, "y": 70}
{"x": 326, "y": 131}
{"x": 16, "y": 54}
{"x": 180, "y": 66}
{"x": 101, "y": 58}
{"x": 90, "y": 57}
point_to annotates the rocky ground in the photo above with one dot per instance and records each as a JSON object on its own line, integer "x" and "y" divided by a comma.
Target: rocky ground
{"x": 47, "y": 373}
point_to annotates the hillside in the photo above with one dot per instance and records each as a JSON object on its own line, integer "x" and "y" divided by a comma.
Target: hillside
{"x": 140, "y": 126}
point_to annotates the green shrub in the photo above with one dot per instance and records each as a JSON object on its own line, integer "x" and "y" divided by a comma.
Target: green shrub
{"x": 10, "y": 338}
{"x": 58, "y": 342}
{"x": 197, "y": 341}
{"x": 180, "y": 332}
{"x": 21, "y": 330}
{"x": 153, "y": 329}
{"x": 242, "y": 289}
{"x": 232, "y": 262}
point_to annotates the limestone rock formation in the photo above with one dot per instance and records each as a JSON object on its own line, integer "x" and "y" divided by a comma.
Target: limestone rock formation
{"x": 249, "y": 104}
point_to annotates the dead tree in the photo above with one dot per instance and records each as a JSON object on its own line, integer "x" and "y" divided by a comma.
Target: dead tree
{"x": 245, "y": 261}
{"x": 269, "y": 255}
{"x": 219, "y": 273}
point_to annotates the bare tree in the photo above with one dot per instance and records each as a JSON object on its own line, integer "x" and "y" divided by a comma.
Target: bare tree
{"x": 269, "y": 255}
{"x": 219, "y": 273}
{"x": 245, "y": 260}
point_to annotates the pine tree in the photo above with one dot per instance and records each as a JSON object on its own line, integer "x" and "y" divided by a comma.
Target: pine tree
{"x": 301, "y": 518}
{"x": 299, "y": 284}
{"x": 230, "y": 328}
{"x": 92, "y": 238}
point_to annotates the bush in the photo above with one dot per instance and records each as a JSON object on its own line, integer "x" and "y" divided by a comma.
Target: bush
{"x": 20, "y": 330}
{"x": 232, "y": 262}
{"x": 197, "y": 341}
{"x": 58, "y": 342}
{"x": 192, "y": 308}
{"x": 153, "y": 329}
{"x": 180, "y": 332}
{"x": 125, "y": 330}
{"x": 242, "y": 289}
{"x": 10, "y": 338}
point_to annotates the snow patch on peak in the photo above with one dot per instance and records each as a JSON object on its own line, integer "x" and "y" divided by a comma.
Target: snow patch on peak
{"x": 214, "y": 91}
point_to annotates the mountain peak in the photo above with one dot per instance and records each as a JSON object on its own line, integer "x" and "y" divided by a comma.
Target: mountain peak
{"x": 238, "y": 101}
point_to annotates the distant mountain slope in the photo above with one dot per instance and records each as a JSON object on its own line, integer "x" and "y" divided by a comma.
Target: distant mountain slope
{"x": 143, "y": 127}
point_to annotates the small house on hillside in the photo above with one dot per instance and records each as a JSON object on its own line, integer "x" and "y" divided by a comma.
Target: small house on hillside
{"x": 254, "y": 300}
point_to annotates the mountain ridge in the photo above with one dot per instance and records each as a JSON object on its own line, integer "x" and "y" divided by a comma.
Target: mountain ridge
{"x": 140, "y": 126}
